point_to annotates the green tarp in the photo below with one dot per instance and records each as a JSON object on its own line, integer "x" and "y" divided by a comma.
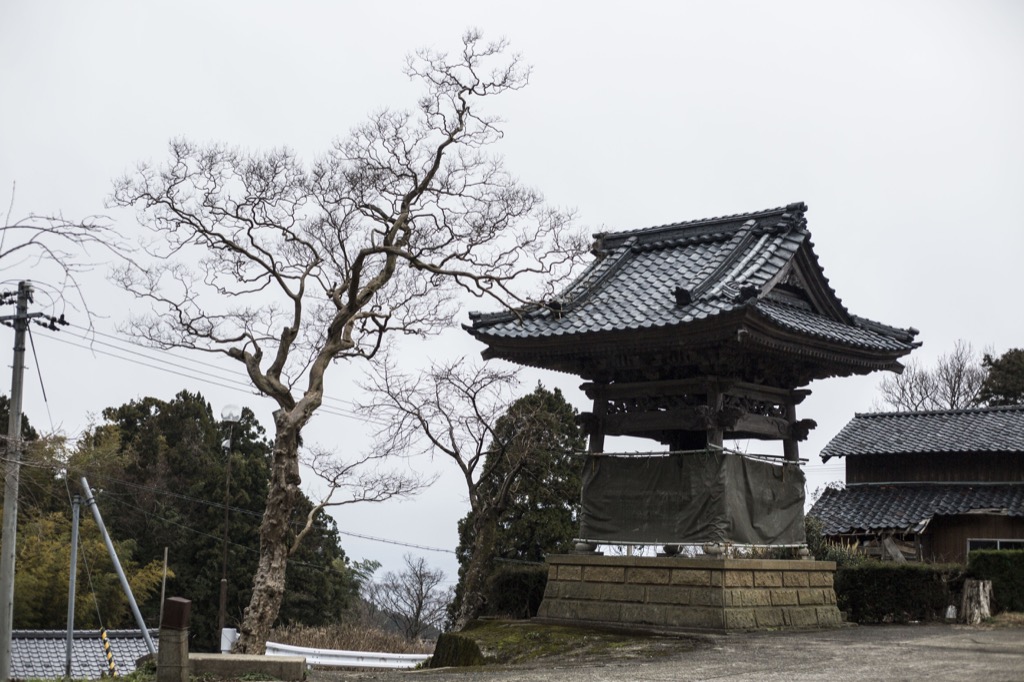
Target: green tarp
{"x": 692, "y": 498}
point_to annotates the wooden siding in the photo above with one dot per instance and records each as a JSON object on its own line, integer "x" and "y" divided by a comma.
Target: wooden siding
{"x": 945, "y": 539}
{"x": 936, "y": 467}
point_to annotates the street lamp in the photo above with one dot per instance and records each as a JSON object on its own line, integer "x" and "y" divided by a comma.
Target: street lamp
{"x": 231, "y": 414}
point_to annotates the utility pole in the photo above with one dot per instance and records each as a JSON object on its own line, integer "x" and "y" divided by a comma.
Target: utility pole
{"x": 9, "y": 540}
{"x": 232, "y": 415}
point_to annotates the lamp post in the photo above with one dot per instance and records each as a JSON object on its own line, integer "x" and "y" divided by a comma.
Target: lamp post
{"x": 230, "y": 414}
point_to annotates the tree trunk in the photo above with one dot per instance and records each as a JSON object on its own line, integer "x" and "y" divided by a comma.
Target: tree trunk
{"x": 473, "y": 600}
{"x": 268, "y": 583}
{"x": 975, "y": 605}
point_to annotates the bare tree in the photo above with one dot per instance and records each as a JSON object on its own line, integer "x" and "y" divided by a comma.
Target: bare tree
{"x": 952, "y": 384}
{"x": 362, "y": 478}
{"x": 414, "y": 600}
{"x": 460, "y": 411}
{"x": 287, "y": 269}
{"x": 62, "y": 247}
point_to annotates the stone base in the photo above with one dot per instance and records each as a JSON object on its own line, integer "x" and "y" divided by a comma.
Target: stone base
{"x": 694, "y": 594}
{"x": 240, "y": 666}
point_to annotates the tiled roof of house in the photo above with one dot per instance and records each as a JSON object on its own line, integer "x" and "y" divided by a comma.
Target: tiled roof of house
{"x": 984, "y": 429}
{"x": 909, "y": 508}
{"x": 684, "y": 273}
{"x": 41, "y": 654}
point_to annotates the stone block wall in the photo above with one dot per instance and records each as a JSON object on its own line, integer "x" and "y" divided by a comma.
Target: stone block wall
{"x": 701, "y": 594}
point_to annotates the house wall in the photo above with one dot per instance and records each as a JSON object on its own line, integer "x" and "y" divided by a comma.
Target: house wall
{"x": 935, "y": 467}
{"x": 945, "y": 540}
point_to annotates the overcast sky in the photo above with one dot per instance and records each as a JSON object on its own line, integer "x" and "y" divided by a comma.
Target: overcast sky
{"x": 898, "y": 123}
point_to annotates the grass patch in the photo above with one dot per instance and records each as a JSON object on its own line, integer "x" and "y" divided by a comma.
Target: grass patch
{"x": 1007, "y": 619}
{"x": 348, "y": 637}
{"x": 524, "y": 642}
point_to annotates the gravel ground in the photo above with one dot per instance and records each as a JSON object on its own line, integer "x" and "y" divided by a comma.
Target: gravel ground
{"x": 912, "y": 652}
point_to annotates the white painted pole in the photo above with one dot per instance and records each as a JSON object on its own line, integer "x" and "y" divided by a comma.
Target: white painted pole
{"x": 75, "y": 503}
{"x": 90, "y": 501}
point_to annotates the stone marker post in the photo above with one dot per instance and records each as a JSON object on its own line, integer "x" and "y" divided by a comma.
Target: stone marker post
{"x": 172, "y": 655}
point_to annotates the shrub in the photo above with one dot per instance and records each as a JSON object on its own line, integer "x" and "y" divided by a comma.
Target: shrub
{"x": 455, "y": 650}
{"x": 875, "y": 592}
{"x": 1005, "y": 568}
{"x": 824, "y": 550}
{"x": 516, "y": 590}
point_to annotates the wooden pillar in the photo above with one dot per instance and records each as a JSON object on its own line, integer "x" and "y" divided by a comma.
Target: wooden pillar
{"x": 715, "y": 433}
{"x": 597, "y": 427}
{"x": 790, "y": 446}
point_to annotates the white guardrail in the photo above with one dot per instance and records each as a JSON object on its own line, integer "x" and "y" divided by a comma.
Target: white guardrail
{"x": 331, "y": 657}
{"x": 347, "y": 659}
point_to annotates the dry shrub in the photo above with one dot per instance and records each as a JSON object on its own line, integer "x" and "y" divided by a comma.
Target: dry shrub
{"x": 353, "y": 636}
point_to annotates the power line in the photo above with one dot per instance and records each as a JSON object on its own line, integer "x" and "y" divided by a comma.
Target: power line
{"x": 88, "y": 334}
{"x": 210, "y": 503}
{"x": 219, "y": 381}
{"x": 396, "y": 542}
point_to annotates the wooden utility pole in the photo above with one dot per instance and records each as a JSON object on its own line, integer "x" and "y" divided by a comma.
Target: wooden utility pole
{"x": 8, "y": 543}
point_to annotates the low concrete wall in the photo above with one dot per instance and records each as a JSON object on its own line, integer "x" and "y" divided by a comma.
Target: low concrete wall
{"x": 697, "y": 594}
{"x": 237, "y": 665}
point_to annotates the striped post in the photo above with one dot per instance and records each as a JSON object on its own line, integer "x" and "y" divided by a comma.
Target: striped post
{"x": 111, "y": 666}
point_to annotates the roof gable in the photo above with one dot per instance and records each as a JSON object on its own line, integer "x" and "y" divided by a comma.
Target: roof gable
{"x": 753, "y": 271}
{"x": 977, "y": 430}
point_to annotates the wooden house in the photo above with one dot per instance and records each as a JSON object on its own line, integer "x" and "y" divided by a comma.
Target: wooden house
{"x": 929, "y": 486}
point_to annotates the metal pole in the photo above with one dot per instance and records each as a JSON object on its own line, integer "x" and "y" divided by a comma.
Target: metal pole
{"x": 76, "y": 501}
{"x": 9, "y": 540}
{"x": 91, "y": 502}
{"x": 230, "y": 414}
{"x": 163, "y": 589}
{"x": 222, "y": 611}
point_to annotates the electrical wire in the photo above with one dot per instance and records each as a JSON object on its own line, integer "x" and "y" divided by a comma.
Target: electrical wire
{"x": 99, "y": 476}
{"x": 39, "y": 373}
{"x": 231, "y": 384}
{"x": 87, "y": 334}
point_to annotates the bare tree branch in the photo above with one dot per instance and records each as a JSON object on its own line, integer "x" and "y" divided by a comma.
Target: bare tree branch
{"x": 953, "y": 383}
{"x": 64, "y": 248}
{"x": 362, "y": 479}
{"x": 414, "y": 600}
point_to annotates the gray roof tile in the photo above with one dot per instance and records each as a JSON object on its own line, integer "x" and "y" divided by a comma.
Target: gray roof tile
{"x": 984, "y": 429}
{"x": 719, "y": 262}
{"x": 41, "y": 654}
{"x": 909, "y": 508}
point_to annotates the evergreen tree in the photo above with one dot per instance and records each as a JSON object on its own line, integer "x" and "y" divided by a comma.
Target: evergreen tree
{"x": 160, "y": 469}
{"x": 1004, "y": 382}
{"x": 541, "y": 513}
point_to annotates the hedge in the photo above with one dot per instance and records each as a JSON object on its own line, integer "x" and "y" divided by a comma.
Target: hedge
{"x": 1005, "y": 568}
{"x": 516, "y": 590}
{"x": 897, "y": 593}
